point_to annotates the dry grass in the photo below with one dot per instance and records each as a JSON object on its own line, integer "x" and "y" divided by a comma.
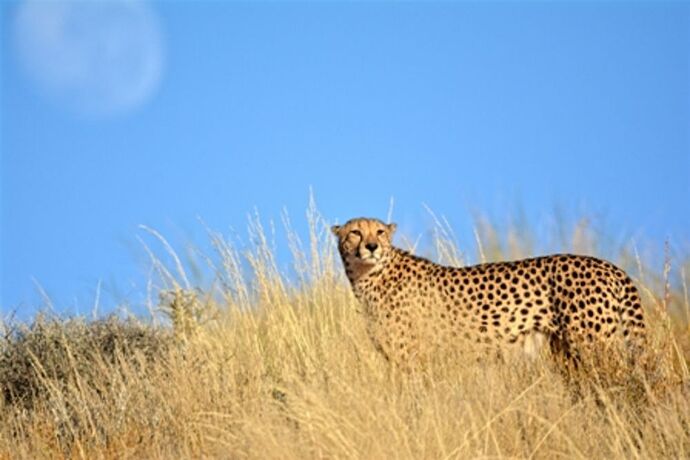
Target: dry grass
{"x": 265, "y": 364}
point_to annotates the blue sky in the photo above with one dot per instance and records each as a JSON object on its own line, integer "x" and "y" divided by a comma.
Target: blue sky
{"x": 159, "y": 113}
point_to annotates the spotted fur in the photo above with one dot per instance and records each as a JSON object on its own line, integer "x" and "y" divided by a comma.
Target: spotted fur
{"x": 411, "y": 303}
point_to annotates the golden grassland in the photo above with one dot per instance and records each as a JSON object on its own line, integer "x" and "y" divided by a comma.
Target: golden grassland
{"x": 269, "y": 364}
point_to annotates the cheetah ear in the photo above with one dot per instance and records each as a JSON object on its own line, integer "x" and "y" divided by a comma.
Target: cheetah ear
{"x": 392, "y": 228}
{"x": 336, "y": 230}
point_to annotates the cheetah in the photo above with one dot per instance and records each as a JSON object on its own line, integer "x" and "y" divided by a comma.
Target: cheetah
{"x": 567, "y": 301}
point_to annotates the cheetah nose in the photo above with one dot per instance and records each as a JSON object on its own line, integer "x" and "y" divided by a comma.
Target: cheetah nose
{"x": 371, "y": 246}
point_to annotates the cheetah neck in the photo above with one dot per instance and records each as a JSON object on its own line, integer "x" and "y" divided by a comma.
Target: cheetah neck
{"x": 358, "y": 272}
{"x": 364, "y": 277}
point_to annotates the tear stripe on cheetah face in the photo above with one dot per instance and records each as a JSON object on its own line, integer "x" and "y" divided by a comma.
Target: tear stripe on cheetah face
{"x": 570, "y": 302}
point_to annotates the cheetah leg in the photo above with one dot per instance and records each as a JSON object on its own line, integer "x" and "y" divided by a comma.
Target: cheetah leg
{"x": 533, "y": 345}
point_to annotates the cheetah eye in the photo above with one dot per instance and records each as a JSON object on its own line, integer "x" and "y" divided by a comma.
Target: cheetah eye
{"x": 356, "y": 233}
{"x": 380, "y": 232}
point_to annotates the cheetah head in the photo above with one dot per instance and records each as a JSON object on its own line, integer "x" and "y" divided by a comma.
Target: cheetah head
{"x": 364, "y": 242}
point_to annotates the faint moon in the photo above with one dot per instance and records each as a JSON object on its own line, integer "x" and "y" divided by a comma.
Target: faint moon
{"x": 92, "y": 57}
